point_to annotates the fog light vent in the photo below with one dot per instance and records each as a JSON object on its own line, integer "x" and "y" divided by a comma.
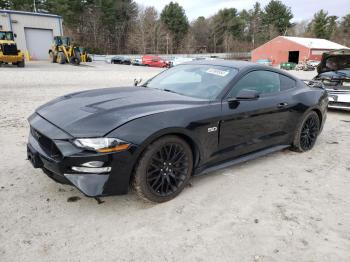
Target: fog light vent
{"x": 93, "y": 164}
{"x": 92, "y": 170}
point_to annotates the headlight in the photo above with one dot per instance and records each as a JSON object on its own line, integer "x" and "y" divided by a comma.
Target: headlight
{"x": 102, "y": 145}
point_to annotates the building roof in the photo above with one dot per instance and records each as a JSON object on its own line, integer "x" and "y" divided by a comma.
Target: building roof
{"x": 28, "y": 13}
{"x": 221, "y": 62}
{"x": 315, "y": 43}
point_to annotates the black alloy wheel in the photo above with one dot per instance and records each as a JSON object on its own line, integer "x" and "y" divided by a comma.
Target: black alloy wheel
{"x": 164, "y": 169}
{"x": 306, "y": 135}
{"x": 309, "y": 132}
{"x": 167, "y": 169}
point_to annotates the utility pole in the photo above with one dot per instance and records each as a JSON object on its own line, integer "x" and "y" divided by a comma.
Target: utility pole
{"x": 167, "y": 44}
{"x": 34, "y": 6}
{"x": 214, "y": 42}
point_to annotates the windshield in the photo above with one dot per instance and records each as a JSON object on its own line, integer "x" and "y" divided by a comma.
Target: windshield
{"x": 62, "y": 41}
{"x": 200, "y": 81}
{"x": 338, "y": 62}
{"x": 6, "y": 36}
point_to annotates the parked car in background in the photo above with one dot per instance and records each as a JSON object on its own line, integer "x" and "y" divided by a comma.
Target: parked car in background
{"x": 288, "y": 65}
{"x": 155, "y": 61}
{"x": 136, "y": 61}
{"x": 120, "y": 60}
{"x": 188, "y": 120}
{"x": 180, "y": 60}
{"x": 334, "y": 73}
{"x": 266, "y": 62}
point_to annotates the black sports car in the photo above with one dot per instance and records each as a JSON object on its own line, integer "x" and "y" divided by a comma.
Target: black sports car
{"x": 188, "y": 120}
{"x": 120, "y": 60}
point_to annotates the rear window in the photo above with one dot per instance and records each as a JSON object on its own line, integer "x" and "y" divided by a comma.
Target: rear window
{"x": 286, "y": 82}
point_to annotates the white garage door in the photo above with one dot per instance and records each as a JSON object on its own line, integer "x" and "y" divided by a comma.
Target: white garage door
{"x": 38, "y": 42}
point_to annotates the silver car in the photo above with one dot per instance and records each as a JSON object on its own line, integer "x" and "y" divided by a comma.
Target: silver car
{"x": 334, "y": 73}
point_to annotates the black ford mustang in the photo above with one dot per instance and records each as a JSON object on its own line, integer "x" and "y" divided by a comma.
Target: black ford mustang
{"x": 188, "y": 120}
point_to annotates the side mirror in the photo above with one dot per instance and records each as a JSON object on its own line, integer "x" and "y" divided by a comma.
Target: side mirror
{"x": 15, "y": 35}
{"x": 247, "y": 94}
{"x": 137, "y": 82}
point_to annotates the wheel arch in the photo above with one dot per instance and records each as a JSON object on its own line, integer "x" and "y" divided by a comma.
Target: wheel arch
{"x": 319, "y": 113}
{"x": 183, "y": 134}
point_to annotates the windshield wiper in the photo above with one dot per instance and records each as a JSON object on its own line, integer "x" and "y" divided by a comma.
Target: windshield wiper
{"x": 170, "y": 91}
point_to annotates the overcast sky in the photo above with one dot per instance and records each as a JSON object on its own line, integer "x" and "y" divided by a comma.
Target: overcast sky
{"x": 302, "y": 9}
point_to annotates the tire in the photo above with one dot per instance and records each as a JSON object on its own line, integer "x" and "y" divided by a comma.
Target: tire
{"x": 163, "y": 170}
{"x": 21, "y": 64}
{"x": 75, "y": 60}
{"x": 306, "y": 135}
{"x": 61, "y": 59}
{"x": 53, "y": 58}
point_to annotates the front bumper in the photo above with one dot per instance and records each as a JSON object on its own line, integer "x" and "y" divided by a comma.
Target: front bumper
{"x": 58, "y": 166}
{"x": 11, "y": 58}
{"x": 339, "y": 99}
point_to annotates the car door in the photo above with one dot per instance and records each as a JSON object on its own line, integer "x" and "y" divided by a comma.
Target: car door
{"x": 155, "y": 62}
{"x": 249, "y": 125}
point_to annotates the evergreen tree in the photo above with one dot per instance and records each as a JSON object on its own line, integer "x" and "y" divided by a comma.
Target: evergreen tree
{"x": 277, "y": 17}
{"x": 175, "y": 20}
{"x": 323, "y": 26}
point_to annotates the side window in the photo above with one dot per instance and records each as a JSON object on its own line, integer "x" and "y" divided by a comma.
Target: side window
{"x": 262, "y": 81}
{"x": 286, "y": 83}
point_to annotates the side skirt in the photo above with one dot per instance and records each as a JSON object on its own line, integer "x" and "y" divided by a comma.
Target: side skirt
{"x": 245, "y": 158}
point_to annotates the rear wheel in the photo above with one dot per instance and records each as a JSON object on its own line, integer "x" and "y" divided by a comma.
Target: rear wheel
{"x": 163, "y": 170}
{"x": 306, "y": 134}
{"x": 61, "y": 59}
{"x": 21, "y": 63}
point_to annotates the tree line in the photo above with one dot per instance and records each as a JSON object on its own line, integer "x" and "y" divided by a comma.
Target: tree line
{"x": 121, "y": 26}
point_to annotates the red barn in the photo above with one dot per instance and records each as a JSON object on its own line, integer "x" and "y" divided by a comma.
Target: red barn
{"x": 293, "y": 49}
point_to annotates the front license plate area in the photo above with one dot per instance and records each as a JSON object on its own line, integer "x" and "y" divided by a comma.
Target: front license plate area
{"x": 33, "y": 157}
{"x": 332, "y": 98}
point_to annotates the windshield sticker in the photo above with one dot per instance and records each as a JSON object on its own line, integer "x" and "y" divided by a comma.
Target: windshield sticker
{"x": 217, "y": 72}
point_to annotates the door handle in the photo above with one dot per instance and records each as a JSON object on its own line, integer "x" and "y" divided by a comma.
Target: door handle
{"x": 282, "y": 105}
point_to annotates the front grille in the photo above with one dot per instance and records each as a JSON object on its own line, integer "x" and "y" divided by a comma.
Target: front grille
{"x": 9, "y": 49}
{"x": 46, "y": 144}
{"x": 347, "y": 104}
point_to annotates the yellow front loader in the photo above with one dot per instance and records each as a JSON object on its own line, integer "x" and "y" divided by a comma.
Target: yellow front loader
{"x": 8, "y": 50}
{"x": 63, "y": 51}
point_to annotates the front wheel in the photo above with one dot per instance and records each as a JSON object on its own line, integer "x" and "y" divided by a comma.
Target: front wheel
{"x": 75, "y": 60}
{"x": 306, "y": 134}
{"x": 163, "y": 170}
{"x": 61, "y": 58}
{"x": 53, "y": 57}
{"x": 21, "y": 64}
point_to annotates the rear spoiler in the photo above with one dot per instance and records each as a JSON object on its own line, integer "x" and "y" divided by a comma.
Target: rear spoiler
{"x": 314, "y": 83}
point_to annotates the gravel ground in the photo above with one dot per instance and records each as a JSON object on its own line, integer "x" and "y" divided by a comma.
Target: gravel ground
{"x": 283, "y": 207}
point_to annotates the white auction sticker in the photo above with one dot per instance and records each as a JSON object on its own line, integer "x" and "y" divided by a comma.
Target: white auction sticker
{"x": 217, "y": 72}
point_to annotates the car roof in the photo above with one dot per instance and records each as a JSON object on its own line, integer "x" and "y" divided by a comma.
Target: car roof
{"x": 228, "y": 63}
{"x": 240, "y": 65}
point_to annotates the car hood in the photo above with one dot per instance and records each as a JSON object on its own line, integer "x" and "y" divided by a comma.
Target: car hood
{"x": 334, "y": 61}
{"x": 334, "y": 75}
{"x": 97, "y": 112}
